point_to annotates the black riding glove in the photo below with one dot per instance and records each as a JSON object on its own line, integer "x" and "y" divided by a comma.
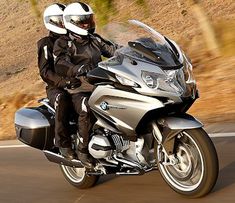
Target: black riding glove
{"x": 78, "y": 71}
{"x": 73, "y": 83}
{"x": 62, "y": 83}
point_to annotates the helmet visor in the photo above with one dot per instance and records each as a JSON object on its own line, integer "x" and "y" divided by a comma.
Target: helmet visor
{"x": 85, "y": 22}
{"x": 55, "y": 20}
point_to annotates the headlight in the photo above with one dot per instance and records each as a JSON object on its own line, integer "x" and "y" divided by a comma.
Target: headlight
{"x": 126, "y": 82}
{"x": 189, "y": 79}
{"x": 188, "y": 71}
{"x": 167, "y": 81}
{"x": 151, "y": 79}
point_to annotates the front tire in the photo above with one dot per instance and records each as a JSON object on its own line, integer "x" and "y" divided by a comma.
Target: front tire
{"x": 78, "y": 177}
{"x": 196, "y": 171}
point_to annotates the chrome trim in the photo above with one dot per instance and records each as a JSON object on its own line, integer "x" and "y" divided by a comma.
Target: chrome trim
{"x": 127, "y": 162}
{"x": 128, "y": 173}
{"x": 45, "y": 103}
{"x": 156, "y": 133}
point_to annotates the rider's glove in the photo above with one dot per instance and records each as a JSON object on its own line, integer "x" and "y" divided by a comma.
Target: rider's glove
{"x": 73, "y": 83}
{"x": 78, "y": 71}
{"x": 82, "y": 71}
{"x": 62, "y": 83}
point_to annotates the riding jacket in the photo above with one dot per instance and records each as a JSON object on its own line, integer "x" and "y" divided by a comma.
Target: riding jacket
{"x": 46, "y": 62}
{"x": 74, "y": 56}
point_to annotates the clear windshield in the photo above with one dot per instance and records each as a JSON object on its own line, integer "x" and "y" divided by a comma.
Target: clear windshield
{"x": 144, "y": 43}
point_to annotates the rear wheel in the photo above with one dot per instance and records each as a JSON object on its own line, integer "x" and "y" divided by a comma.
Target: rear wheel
{"x": 194, "y": 170}
{"x": 78, "y": 177}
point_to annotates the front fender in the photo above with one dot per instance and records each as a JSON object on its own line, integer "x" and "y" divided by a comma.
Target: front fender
{"x": 181, "y": 122}
{"x": 172, "y": 126}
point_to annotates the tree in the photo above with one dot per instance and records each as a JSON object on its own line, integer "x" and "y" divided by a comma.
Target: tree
{"x": 205, "y": 26}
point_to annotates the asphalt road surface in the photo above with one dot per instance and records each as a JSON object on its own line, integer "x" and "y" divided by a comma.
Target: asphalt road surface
{"x": 26, "y": 176}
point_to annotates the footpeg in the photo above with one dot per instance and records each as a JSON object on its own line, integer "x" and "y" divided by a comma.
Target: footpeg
{"x": 94, "y": 173}
{"x": 136, "y": 171}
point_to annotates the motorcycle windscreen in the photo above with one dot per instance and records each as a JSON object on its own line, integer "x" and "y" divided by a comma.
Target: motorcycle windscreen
{"x": 142, "y": 42}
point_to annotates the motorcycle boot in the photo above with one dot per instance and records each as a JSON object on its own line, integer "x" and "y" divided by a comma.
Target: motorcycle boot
{"x": 67, "y": 152}
{"x": 84, "y": 156}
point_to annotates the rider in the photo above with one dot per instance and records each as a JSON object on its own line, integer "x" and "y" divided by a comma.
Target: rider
{"x": 53, "y": 20}
{"x": 75, "y": 55}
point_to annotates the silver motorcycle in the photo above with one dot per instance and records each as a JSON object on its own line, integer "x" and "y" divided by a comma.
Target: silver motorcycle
{"x": 140, "y": 101}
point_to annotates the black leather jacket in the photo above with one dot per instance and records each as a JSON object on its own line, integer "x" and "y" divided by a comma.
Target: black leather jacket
{"x": 73, "y": 55}
{"x": 46, "y": 62}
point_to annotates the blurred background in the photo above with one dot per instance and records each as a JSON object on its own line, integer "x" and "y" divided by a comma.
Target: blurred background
{"x": 205, "y": 30}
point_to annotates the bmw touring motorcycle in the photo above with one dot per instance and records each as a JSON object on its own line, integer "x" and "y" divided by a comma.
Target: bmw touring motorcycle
{"x": 140, "y": 101}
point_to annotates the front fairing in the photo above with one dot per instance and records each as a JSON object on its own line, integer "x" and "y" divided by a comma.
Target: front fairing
{"x": 155, "y": 63}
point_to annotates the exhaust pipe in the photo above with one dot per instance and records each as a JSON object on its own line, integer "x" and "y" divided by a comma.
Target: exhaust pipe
{"x": 133, "y": 165}
{"x": 57, "y": 158}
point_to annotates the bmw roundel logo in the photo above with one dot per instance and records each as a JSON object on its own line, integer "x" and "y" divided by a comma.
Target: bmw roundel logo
{"x": 104, "y": 106}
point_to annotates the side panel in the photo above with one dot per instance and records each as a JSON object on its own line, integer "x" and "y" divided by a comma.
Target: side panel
{"x": 124, "y": 109}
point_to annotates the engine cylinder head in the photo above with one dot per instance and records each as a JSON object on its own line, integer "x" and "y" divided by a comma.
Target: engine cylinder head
{"x": 99, "y": 147}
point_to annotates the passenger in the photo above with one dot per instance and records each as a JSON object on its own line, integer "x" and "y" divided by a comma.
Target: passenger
{"x": 58, "y": 97}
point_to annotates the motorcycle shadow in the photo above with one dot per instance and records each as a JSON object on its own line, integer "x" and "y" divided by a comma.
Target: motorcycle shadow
{"x": 227, "y": 163}
{"x": 105, "y": 179}
{"x": 226, "y": 177}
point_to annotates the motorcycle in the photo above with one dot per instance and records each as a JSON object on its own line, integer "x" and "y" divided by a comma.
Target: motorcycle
{"x": 140, "y": 101}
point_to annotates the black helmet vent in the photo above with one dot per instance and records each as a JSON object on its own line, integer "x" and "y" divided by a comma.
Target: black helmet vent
{"x": 84, "y": 6}
{"x": 61, "y": 6}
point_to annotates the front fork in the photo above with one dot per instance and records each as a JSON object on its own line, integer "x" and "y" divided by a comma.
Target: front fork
{"x": 165, "y": 147}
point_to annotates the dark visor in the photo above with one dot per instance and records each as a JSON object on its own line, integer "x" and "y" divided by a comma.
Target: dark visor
{"x": 55, "y": 20}
{"x": 82, "y": 21}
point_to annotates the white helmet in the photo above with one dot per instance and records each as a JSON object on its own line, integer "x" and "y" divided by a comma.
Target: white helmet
{"x": 78, "y": 18}
{"x": 53, "y": 18}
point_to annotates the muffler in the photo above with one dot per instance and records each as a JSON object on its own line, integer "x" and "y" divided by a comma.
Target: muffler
{"x": 57, "y": 158}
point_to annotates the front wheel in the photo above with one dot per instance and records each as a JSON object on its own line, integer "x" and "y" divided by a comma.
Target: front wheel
{"x": 195, "y": 168}
{"x": 78, "y": 177}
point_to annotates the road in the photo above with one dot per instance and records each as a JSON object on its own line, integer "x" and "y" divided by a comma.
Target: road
{"x": 26, "y": 176}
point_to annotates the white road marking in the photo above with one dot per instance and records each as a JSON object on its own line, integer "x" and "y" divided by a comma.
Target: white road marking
{"x": 212, "y": 135}
{"x": 12, "y": 146}
{"x": 80, "y": 198}
{"x": 222, "y": 135}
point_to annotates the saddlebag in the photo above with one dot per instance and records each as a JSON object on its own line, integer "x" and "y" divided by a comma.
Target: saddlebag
{"x": 35, "y": 127}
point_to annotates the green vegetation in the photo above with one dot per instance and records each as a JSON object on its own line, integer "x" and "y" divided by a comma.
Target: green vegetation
{"x": 140, "y": 2}
{"x": 103, "y": 10}
{"x": 35, "y": 8}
